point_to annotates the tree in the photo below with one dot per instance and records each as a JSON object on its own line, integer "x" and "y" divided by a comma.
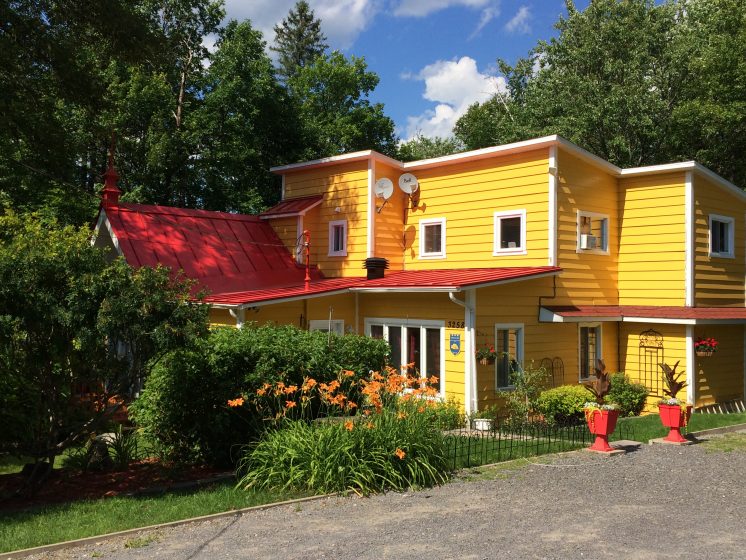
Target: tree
{"x": 74, "y": 331}
{"x": 334, "y": 110}
{"x": 422, "y": 147}
{"x": 298, "y": 40}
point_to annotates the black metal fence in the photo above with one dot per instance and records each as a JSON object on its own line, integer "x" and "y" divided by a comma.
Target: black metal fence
{"x": 471, "y": 448}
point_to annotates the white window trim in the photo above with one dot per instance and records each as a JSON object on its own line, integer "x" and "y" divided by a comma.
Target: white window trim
{"x": 436, "y": 255}
{"x": 422, "y": 323}
{"x": 597, "y": 215}
{"x": 519, "y": 327}
{"x": 599, "y": 347}
{"x": 498, "y": 216}
{"x": 731, "y": 235}
{"x": 332, "y": 224}
{"x": 337, "y": 325}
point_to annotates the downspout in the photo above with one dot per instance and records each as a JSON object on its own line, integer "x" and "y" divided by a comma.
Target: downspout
{"x": 239, "y": 315}
{"x": 470, "y": 381}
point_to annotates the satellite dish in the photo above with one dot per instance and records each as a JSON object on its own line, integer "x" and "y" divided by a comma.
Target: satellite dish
{"x": 408, "y": 183}
{"x": 383, "y": 188}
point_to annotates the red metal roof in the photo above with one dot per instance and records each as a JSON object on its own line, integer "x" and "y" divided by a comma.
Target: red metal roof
{"x": 621, "y": 312}
{"x": 223, "y": 252}
{"x": 292, "y": 207}
{"x": 412, "y": 280}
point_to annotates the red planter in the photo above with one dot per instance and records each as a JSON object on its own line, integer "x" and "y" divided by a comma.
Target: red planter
{"x": 601, "y": 423}
{"x": 673, "y": 417}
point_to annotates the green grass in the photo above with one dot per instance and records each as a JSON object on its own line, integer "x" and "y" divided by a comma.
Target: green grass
{"x": 644, "y": 428}
{"x": 58, "y": 523}
{"x": 10, "y": 464}
{"x": 727, "y": 443}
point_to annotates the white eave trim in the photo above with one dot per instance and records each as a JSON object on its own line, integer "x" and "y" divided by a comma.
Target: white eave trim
{"x": 548, "y": 316}
{"x": 343, "y": 158}
{"x": 103, "y": 220}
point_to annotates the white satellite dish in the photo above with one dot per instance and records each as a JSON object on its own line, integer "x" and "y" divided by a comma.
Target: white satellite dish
{"x": 383, "y": 188}
{"x": 408, "y": 183}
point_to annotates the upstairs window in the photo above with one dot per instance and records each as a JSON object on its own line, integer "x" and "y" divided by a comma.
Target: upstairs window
{"x": 593, "y": 233}
{"x": 721, "y": 236}
{"x": 510, "y": 233}
{"x": 433, "y": 238}
{"x": 338, "y": 238}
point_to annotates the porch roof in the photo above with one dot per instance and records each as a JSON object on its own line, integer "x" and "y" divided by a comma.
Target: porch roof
{"x": 292, "y": 207}
{"x": 643, "y": 314}
{"x": 410, "y": 281}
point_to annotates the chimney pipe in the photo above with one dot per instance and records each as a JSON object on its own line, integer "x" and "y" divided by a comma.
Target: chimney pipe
{"x": 375, "y": 267}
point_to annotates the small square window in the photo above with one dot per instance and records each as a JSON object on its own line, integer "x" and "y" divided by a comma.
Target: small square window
{"x": 510, "y": 232}
{"x": 433, "y": 238}
{"x": 593, "y": 233}
{"x": 721, "y": 236}
{"x": 338, "y": 238}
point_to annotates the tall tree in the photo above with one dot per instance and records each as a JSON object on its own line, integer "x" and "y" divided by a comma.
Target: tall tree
{"x": 298, "y": 40}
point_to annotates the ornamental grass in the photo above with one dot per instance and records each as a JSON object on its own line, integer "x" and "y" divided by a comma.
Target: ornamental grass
{"x": 392, "y": 439}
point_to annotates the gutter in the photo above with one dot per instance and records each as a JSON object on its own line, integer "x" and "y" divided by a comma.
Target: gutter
{"x": 470, "y": 378}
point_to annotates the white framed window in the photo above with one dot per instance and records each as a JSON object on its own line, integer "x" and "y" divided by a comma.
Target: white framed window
{"x": 338, "y": 238}
{"x": 589, "y": 349}
{"x": 433, "y": 238}
{"x": 336, "y": 326}
{"x": 510, "y": 233}
{"x": 593, "y": 233}
{"x": 413, "y": 341}
{"x": 509, "y": 348}
{"x": 722, "y": 233}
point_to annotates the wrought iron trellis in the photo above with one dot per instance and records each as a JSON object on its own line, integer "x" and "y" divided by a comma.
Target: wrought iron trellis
{"x": 649, "y": 357}
{"x": 556, "y": 368}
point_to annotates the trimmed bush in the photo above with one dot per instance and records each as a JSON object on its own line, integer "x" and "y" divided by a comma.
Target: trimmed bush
{"x": 183, "y": 404}
{"x": 396, "y": 448}
{"x": 564, "y": 404}
{"x": 629, "y": 396}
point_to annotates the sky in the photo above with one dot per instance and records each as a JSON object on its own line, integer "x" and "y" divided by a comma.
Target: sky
{"x": 434, "y": 58}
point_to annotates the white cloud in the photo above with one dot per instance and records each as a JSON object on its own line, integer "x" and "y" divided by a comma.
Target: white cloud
{"x": 341, "y": 20}
{"x": 422, "y": 8}
{"x": 452, "y": 85}
{"x": 488, "y": 14}
{"x": 521, "y": 21}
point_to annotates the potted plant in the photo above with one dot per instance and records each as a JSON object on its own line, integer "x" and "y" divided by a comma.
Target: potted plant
{"x": 486, "y": 355}
{"x": 674, "y": 413}
{"x": 600, "y": 415}
{"x": 705, "y": 347}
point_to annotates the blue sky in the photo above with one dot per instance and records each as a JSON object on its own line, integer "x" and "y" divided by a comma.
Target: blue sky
{"x": 434, "y": 57}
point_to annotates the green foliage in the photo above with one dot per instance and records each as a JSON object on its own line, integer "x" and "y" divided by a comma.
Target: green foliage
{"x": 394, "y": 449}
{"x": 183, "y": 405}
{"x": 520, "y": 402}
{"x": 564, "y": 405}
{"x": 629, "y": 396}
{"x": 422, "y": 147}
{"x": 298, "y": 39}
{"x": 76, "y": 330}
{"x": 124, "y": 447}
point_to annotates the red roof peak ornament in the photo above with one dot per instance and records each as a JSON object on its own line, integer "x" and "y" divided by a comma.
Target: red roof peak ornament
{"x": 110, "y": 193}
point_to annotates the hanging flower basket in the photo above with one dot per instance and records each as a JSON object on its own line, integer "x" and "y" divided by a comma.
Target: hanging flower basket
{"x": 704, "y": 353}
{"x": 705, "y": 347}
{"x": 486, "y": 355}
{"x": 486, "y": 361}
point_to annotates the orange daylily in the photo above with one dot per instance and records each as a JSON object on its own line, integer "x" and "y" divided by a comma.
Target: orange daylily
{"x": 233, "y": 403}
{"x": 349, "y": 425}
{"x": 399, "y": 453}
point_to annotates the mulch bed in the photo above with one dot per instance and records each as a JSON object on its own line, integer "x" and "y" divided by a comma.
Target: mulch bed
{"x": 65, "y": 485}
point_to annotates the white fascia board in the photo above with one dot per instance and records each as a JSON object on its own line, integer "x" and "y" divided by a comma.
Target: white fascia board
{"x": 548, "y": 316}
{"x": 103, "y": 221}
{"x": 276, "y": 300}
{"x": 333, "y": 160}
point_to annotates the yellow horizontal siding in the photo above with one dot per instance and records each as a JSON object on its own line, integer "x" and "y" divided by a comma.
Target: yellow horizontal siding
{"x": 344, "y": 187}
{"x": 389, "y": 222}
{"x": 287, "y": 230}
{"x": 652, "y": 240}
{"x": 718, "y": 281}
{"x": 278, "y": 314}
{"x": 587, "y": 278}
{"x": 720, "y": 377}
{"x": 467, "y": 195}
{"x": 339, "y": 307}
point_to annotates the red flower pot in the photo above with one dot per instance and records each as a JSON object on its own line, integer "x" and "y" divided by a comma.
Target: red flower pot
{"x": 601, "y": 423}
{"x": 673, "y": 417}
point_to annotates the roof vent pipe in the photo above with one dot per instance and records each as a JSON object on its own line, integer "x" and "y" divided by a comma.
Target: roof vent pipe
{"x": 375, "y": 267}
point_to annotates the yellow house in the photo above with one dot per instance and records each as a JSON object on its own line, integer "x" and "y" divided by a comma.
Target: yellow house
{"x": 538, "y": 248}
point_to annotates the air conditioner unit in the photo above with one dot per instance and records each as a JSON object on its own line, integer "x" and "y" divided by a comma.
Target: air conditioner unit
{"x": 588, "y": 241}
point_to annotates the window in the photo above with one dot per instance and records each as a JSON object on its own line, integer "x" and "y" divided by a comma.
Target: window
{"x": 433, "y": 238}
{"x": 509, "y": 348}
{"x": 590, "y": 348}
{"x": 721, "y": 236}
{"x": 593, "y": 233}
{"x": 413, "y": 342}
{"x": 338, "y": 238}
{"x": 510, "y": 233}
{"x": 337, "y": 326}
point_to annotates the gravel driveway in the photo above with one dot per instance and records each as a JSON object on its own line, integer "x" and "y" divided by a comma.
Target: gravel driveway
{"x": 656, "y": 502}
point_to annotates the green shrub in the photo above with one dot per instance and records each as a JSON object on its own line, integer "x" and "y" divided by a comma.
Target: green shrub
{"x": 183, "y": 404}
{"x": 564, "y": 404}
{"x": 396, "y": 448}
{"x": 629, "y": 396}
{"x": 520, "y": 402}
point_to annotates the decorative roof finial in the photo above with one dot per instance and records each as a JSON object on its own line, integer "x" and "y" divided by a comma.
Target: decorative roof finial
{"x": 110, "y": 193}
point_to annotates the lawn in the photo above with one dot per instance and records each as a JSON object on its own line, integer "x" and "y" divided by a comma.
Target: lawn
{"x": 58, "y": 523}
{"x": 644, "y": 428}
